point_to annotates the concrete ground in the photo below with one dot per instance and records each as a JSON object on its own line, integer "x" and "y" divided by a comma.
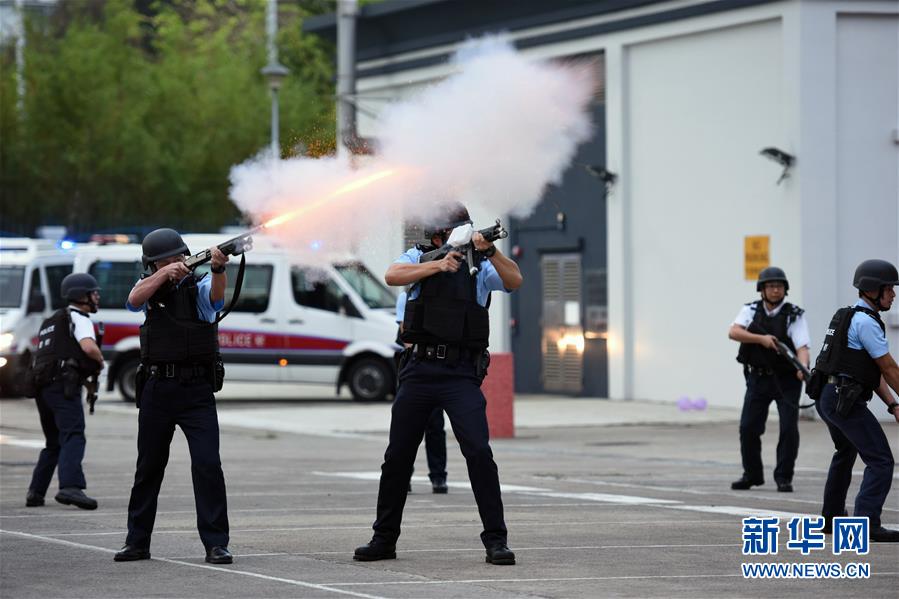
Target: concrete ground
{"x": 602, "y": 499}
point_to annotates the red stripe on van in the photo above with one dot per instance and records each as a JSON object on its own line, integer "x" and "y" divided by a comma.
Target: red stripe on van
{"x": 231, "y": 339}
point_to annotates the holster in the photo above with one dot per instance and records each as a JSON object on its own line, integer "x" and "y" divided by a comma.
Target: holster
{"x": 218, "y": 373}
{"x": 140, "y": 381}
{"x": 482, "y": 363}
{"x": 848, "y": 394}
{"x": 71, "y": 379}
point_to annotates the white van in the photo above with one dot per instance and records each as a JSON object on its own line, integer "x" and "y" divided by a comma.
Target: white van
{"x": 31, "y": 271}
{"x": 292, "y": 323}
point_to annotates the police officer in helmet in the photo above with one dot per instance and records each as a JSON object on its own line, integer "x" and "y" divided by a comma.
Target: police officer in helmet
{"x": 446, "y": 323}
{"x": 66, "y": 355}
{"x": 859, "y": 364}
{"x": 179, "y": 353}
{"x": 770, "y": 376}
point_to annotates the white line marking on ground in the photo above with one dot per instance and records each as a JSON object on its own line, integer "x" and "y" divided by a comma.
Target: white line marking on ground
{"x": 32, "y": 443}
{"x": 615, "y": 499}
{"x": 641, "y": 522}
{"x": 428, "y": 504}
{"x": 742, "y": 495}
{"x": 480, "y": 549}
{"x": 300, "y": 583}
{"x": 572, "y": 579}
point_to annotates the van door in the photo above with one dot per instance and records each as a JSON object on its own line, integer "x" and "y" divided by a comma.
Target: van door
{"x": 251, "y": 337}
{"x": 320, "y": 323}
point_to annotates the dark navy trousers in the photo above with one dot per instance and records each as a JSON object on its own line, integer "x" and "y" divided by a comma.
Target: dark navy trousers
{"x": 62, "y": 421}
{"x": 454, "y": 388}
{"x": 435, "y": 446}
{"x": 166, "y": 403}
{"x": 761, "y": 390}
{"x": 858, "y": 433}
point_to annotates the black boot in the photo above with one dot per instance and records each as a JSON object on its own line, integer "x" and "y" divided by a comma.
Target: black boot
{"x": 884, "y": 535}
{"x": 33, "y": 499}
{"x": 130, "y": 553}
{"x": 500, "y": 555}
{"x": 374, "y": 551}
{"x": 75, "y": 496}
{"x": 438, "y": 485}
{"x": 745, "y": 482}
{"x": 219, "y": 554}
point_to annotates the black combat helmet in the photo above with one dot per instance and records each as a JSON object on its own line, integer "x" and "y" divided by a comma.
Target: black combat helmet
{"x": 770, "y": 274}
{"x": 76, "y": 285}
{"x": 451, "y": 216}
{"x": 161, "y": 244}
{"x": 871, "y": 275}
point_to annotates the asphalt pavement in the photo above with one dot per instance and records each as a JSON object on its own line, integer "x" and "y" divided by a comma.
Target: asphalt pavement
{"x": 602, "y": 499}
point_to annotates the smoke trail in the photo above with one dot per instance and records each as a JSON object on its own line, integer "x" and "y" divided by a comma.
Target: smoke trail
{"x": 494, "y": 134}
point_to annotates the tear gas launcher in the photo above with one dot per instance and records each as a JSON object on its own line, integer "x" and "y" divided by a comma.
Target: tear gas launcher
{"x": 233, "y": 247}
{"x": 459, "y": 240}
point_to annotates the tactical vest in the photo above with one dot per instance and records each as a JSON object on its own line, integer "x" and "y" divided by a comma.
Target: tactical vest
{"x": 56, "y": 344}
{"x": 837, "y": 358}
{"x": 756, "y": 355}
{"x": 173, "y": 331}
{"x": 447, "y": 311}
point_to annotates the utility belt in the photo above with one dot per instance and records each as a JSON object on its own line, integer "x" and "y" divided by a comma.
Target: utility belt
{"x": 183, "y": 372}
{"x": 448, "y": 353}
{"x": 759, "y": 370}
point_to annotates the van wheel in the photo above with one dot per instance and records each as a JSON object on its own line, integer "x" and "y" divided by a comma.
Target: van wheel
{"x": 369, "y": 379}
{"x": 125, "y": 379}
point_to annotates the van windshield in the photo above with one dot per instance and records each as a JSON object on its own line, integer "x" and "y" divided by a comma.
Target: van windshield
{"x": 370, "y": 289}
{"x": 11, "y": 280}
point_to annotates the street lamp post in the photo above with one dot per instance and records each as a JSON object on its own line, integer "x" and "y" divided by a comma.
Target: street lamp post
{"x": 274, "y": 71}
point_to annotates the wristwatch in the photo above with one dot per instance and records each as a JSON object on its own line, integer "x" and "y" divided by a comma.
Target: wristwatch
{"x": 219, "y": 270}
{"x": 488, "y": 253}
{"x": 892, "y": 407}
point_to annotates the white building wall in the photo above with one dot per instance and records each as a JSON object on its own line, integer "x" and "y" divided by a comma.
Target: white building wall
{"x": 696, "y": 122}
{"x": 689, "y": 104}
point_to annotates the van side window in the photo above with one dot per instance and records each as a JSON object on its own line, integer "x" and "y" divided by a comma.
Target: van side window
{"x": 256, "y": 288}
{"x": 55, "y": 274}
{"x": 12, "y": 279}
{"x": 116, "y": 280}
{"x": 313, "y": 288}
{"x": 34, "y": 287}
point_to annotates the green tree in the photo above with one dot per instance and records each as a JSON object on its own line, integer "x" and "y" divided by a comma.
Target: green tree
{"x": 135, "y": 120}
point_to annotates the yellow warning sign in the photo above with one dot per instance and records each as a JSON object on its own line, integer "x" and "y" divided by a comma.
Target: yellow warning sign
{"x": 755, "y": 255}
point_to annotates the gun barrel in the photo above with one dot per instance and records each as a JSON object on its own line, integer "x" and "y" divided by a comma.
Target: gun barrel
{"x": 233, "y": 247}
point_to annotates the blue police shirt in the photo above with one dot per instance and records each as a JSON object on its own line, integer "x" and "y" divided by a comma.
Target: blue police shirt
{"x": 206, "y": 310}
{"x": 865, "y": 333}
{"x": 400, "y": 307}
{"x": 488, "y": 279}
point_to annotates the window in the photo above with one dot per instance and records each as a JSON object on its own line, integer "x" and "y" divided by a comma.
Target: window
{"x": 313, "y": 288}
{"x": 116, "y": 279}
{"x": 55, "y": 275}
{"x": 256, "y": 288}
{"x": 370, "y": 289}
{"x": 34, "y": 287}
{"x": 11, "y": 281}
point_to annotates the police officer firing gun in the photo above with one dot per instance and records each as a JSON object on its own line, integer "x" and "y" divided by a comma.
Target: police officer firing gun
{"x": 180, "y": 370}
{"x": 67, "y": 354}
{"x": 460, "y": 240}
{"x": 446, "y": 326}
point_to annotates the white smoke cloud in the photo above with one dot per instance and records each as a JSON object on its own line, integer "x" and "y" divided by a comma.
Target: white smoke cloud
{"x": 494, "y": 134}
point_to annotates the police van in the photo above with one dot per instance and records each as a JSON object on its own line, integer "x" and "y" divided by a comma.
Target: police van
{"x": 31, "y": 271}
{"x": 293, "y": 323}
